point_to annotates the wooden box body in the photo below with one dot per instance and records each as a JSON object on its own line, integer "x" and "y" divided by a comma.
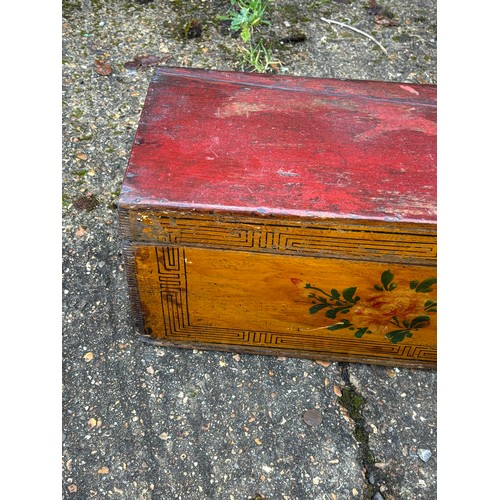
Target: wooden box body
{"x": 284, "y": 215}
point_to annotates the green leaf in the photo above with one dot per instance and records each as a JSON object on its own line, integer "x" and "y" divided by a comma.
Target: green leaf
{"x": 425, "y": 286}
{"x": 413, "y": 284}
{"x": 334, "y": 294}
{"x": 419, "y": 322}
{"x": 307, "y": 285}
{"x": 396, "y": 335}
{"x": 395, "y": 321}
{"x": 332, "y": 313}
{"x": 406, "y": 323}
{"x": 348, "y": 293}
{"x": 430, "y": 306}
{"x": 361, "y": 332}
{"x": 386, "y": 278}
{"x": 343, "y": 324}
{"x": 378, "y": 287}
{"x": 392, "y": 286}
{"x": 316, "y": 308}
{"x": 245, "y": 34}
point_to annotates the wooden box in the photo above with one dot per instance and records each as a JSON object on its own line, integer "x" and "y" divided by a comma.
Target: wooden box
{"x": 284, "y": 215}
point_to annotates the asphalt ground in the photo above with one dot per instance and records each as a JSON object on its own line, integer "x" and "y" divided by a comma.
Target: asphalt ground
{"x": 144, "y": 422}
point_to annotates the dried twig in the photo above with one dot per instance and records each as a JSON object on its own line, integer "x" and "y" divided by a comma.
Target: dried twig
{"x": 331, "y": 21}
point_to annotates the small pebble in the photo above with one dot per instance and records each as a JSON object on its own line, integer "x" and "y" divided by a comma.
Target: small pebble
{"x": 313, "y": 417}
{"x": 424, "y": 454}
{"x": 378, "y": 496}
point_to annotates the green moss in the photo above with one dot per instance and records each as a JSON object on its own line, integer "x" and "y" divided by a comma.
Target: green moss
{"x": 69, "y": 7}
{"x": 386, "y": 12}
{"x": 192, "y": 29}
{"x": 401, "y": 38}
{"x": 96, "y": 4}
{"x": 354, "y": 403}
{"x": 316, "y": 4}
{"x": 86, "y": 137}
{"x": 77, "y": 113}
{"x": 65, "y": 200}
{"x": 177, "y": 4}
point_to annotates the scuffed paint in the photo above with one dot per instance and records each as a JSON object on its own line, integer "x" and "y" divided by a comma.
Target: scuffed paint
{"x": 410, "y": 89}
{"x": 285, "y": 145}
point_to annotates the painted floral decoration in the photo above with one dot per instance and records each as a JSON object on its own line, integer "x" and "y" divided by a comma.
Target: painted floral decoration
{"x": 396, "y": 312}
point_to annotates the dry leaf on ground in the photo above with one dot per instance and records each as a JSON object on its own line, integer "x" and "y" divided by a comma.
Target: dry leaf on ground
{"x": 80, "y": 232}
{"x": 102, "y": 67}
{"x": 385, "y": 21}
{"x": 325, "y": 364}
{"x": 144, "y": 61}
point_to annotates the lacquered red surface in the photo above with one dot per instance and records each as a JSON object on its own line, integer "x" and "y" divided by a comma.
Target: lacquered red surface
{"x": 281, "y": 145}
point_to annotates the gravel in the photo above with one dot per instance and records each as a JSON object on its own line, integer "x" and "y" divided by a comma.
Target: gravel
{"x": 425, "y": 455}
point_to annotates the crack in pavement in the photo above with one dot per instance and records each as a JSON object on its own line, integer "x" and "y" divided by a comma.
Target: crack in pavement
{"x": 353, "y": 402}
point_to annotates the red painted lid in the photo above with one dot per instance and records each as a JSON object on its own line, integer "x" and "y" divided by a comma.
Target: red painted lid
{"x": 282, "y": 145}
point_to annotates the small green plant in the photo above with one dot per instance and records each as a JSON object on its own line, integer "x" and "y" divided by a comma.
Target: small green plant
{"x": 246, "y": 17}
{"x": 258, "y": 57}
{"x": 248, "y": 14}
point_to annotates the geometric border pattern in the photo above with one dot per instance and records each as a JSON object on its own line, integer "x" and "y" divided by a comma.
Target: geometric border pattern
{"x": 328, "y": 239}
{"x": 173, "y": 286}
